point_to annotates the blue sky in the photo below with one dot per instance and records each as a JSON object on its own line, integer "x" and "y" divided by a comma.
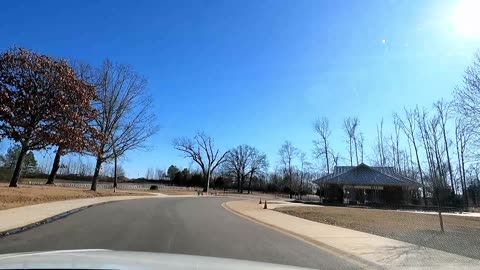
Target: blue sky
{"x": 259, "y": 72}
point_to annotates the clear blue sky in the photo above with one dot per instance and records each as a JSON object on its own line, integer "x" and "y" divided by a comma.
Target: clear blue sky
{"x": 260, "y": 72}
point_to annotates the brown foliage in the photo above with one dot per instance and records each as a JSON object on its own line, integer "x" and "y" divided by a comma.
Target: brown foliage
{"x": 43, "y": 103}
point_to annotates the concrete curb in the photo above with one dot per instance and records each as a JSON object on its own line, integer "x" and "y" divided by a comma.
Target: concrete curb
{"x": 339, "y": 253}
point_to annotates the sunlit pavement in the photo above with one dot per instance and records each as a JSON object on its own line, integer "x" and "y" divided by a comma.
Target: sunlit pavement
{"x": 197, "y": 226}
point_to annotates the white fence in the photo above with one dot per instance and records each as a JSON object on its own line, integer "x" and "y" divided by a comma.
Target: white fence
{"x": 106, "y": 185}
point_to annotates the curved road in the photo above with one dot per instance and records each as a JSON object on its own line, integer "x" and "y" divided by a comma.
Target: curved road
{"x": 196, "y": 226}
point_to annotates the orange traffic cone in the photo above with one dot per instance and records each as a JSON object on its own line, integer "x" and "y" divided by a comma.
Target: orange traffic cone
{"x": 260, "y": 201}
{"x": 265, "y": 206}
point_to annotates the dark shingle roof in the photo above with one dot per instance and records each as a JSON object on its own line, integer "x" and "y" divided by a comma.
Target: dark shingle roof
{"x": 366, "y": 175}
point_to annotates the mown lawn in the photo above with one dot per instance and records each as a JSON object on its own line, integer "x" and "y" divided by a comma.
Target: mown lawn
{"x": 28, "y": 195}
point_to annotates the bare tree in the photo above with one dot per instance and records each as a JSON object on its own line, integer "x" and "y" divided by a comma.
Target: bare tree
{"x": 355, "y": 124}
{"x": 150, "y": 175}
{"x": 335, "y": 159}
{"x": 474, "y": 173}
{"x": 467, "y": 104}
{"x": 361, "y": 140}
{"x": 463, "y": 134}
{"x": 350, "y": 126}
{"x": 201, "y": 150}
{"x": 396, "y": 142}
{"x": 429, "y": 132}
{"x": 159, "y": 173}
{"x": 379, "y": 148}
{"x": 237, "y": 162}
{"x": 409, "y": 128}
{"x": 304, "y": 168}
{"x": 443, "y": 111}
{"x": 287, "y": 154}
{"x": 322, "y": 146}
{"x": 124, "y": 115}
{"x": 258, "y": 164}
{"x": 467, "y": 97}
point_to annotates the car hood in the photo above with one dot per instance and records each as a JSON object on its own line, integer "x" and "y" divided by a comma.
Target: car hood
{"x": 108, "y": 259}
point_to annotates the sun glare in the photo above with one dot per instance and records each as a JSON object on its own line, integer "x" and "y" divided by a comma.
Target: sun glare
{"x": 466, "y": 17}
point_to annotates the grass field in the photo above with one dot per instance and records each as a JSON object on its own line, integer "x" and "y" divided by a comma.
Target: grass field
{"x": 462, "y": 234}
{"x": 28, "y": 195}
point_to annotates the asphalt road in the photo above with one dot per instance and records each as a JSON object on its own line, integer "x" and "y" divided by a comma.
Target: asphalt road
{"x": 196, "y": 226}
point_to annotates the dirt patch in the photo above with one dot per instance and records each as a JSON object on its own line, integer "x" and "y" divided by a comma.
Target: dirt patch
{"x": 28, "y": 195}
{"x": 462, "y": 234}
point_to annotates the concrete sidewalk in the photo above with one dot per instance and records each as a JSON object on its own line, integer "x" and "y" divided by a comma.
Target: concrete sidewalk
{"x": 22, "y": 216}
{"x": 463, "y": 214}
{"x": 368, "y": 250}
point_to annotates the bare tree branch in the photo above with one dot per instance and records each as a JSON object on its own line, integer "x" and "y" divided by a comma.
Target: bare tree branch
{"x": 202, "y": 151}
{"x": 125, "y": 112}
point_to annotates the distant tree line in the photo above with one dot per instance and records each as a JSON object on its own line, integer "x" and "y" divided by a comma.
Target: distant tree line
{"x": 436, "y": 146}
{"x": 106, "y": 111}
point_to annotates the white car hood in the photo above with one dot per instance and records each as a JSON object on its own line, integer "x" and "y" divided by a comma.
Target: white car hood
{"x": 108, "y": 259}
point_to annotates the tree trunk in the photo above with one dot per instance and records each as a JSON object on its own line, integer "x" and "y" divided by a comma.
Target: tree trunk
{"x": 350, "y": 150}
{"x": 476, "y": 192}
{"x": 114, "y": 170}
{"x": 208, "y": 182}
{"x": 462, "y": 184}
{"x": 448, "y": 161}
{"x": 249, "y": 184}
{"x": 421, "y": 174}
{"x": 242, "y": 180}
{"x": 398, "y": 152}
{"x": 440, "y": 218}
{"x": 290, "y": 179}
{"x": 98, "y": 165}
{"x": 326, "y": 156}
{"x": 356, "y": 152}
{"x": 461, "y": 143}
{"x": 55, "y": 167}
{"x": 238, "y": 184}
{"x": 394, "y": 159}
{"x": 460, "y": 166}
{"x": 18, "y": 167}
{"x": 380, "y": 140}
{"x": 301, "y": 187}
{"x": 439, "y": 162}
{"x": 464, "y": 178}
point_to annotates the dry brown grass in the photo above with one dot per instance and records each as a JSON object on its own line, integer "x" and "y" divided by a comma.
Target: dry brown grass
{"x": 462, "y": 234}
{"x": 28, "y": 195}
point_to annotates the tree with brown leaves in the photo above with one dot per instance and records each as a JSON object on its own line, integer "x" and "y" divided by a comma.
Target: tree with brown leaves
{"x": 38, "y": 94}
{"x": 85, "y": 133}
